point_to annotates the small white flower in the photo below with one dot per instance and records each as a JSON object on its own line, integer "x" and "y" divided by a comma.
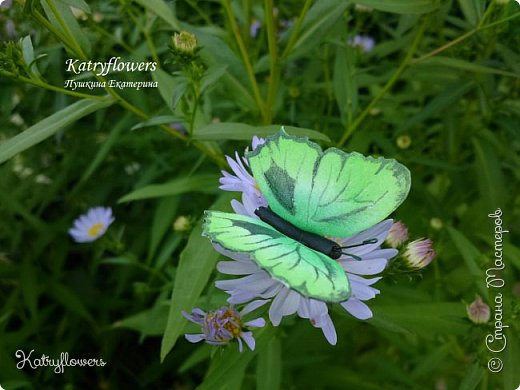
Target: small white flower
{"x": 92, "y": 225}
{"x": 364, "y": 42}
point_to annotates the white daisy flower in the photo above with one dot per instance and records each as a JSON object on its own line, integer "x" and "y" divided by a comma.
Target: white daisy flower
{"x": 92, "y": 225}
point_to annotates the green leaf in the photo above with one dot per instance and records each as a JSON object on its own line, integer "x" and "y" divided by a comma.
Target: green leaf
{"x": 472, "y": 10}
{"x": 157, "y": 120}
{"x": 470, "y": 254}
{"x": 212, "y": 75}
{"x": 425, "y": 319}
{"x": 455, "y": 63}
{"x": 28, "y": 55}
{"x": 161, "y": 9}
{"x": 201, "y": 354}
{"x": 438, "y": 104}
{"x": 472, "y": 378}
{"x": 68, "y": 299}
{"x": 215, "y": 52}
{"x": 151, "y": 322}
{"x": 79, "y": 4}
{"x": 162, "y": 221}
{"x": 511, "y": 359}
{"x": 320, "y": 19}
{"x": 241, "y": 131}
{"x": 490, "y": 177}
{"x": 166, "y": 84}
{"x": 62, "y": 18}
{"x": 196, "y": 264}
{"x": 49, "y": 126}
{"x": 402, "y": 6}
{"x": 102, "y": 153}
{"x": 232, "y": 362}
{"x": 206, "y": 183}
{"x": 269, "y": 366}
{"x": 345, "y": 84}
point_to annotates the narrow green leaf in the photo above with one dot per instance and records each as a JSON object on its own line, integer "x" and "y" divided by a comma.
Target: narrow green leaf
{"x": 455, "y": 63}
{"x": 320, "y": 19}
{"x": 157, "y": 120}
{"x": 151, "y": 322}
{"x": 429, "y": 363}
{"x": 489, "y": 174}
{"x": 162, "y": 221}
{"x": 30, "y": 286}
{"x": 269, "y": 366}
{"x": 425, "y": 319}
{"x": 200, "y": 354}
{"x": 28, "y": 55}
{"x": 345, "y": 85}
{"x": 212, "y": 75}
{"x": 470, "y": 254}
{"x": 161, "y": 9}
{"x": 68, "y": 299}
{"x": 472, "y": 378}
{"x": 166, "y": 84}
{"x": 511, "y": 358}
{"x": 196, "y": 264}
{"x": 241, "y": 131}
{"x": 102, "y": 153}
{"x": 215, "y": 52}
{"x": 402, "y": 6}
{"x": 206, "y": 183}
{"x": 65, "y": 22}
{"x": 472, "y": 10}
{"x": 122, "y": 260}
{"x": 441, "y": 101}
{"x": 231, "y": 361}
{"x": 79, "y": 4}
{"x": 49, "y": 126}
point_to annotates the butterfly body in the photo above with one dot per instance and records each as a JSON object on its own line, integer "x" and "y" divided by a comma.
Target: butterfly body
{"x": 311, "y": 194}
{"x": 310, "y": 240}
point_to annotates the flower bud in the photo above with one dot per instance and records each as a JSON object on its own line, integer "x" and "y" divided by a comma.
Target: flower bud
{"x": 419, "y": 253}
{"x": 185, "y": 42}
{"x": 397, "y": 234}
{"x": 182, "y": 224}
{"x": 478, "y": 311}
{"x": 436, "y": 223}
{"x": 404, "y": 141}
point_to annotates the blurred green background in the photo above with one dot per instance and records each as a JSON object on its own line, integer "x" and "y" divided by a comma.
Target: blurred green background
{"x": 435, "y": 85}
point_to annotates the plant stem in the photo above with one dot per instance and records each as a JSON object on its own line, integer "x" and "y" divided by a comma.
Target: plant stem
{"x": 390, "y": 83}
{"x": 274, "y": 61}
{"x": 462, "y": 38}
{"x": 245, "y": 59}
{"x": 73, "y": 43}
{"x": 149, "y": 41}
{"x": 42, "y": 84}
{"x": 296, "y": 29}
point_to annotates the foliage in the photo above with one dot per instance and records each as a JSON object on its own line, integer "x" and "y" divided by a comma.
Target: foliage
{"x": 439, "y": 92}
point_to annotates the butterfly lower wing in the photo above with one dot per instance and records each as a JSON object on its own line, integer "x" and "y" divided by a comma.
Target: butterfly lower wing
{"x": 307, "y": 271}
{"x": 332, "y": 193}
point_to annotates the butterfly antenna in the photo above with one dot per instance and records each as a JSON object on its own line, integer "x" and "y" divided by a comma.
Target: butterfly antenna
{"x": 371, "y": 241}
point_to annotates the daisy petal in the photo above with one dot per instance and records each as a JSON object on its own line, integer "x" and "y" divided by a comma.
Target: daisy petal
{"x": 357, "y": 308}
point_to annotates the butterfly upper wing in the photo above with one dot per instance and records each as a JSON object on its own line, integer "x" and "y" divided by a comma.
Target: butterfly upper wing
{"x": 307, "y": 271}
{"x": 332, "y": 193}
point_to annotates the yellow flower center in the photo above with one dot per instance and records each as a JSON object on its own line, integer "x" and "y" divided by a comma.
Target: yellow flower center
{"x": 95, "y": 229}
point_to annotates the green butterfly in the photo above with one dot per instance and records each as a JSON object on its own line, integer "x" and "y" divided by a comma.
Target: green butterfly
{"x": 311, "y": 194}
